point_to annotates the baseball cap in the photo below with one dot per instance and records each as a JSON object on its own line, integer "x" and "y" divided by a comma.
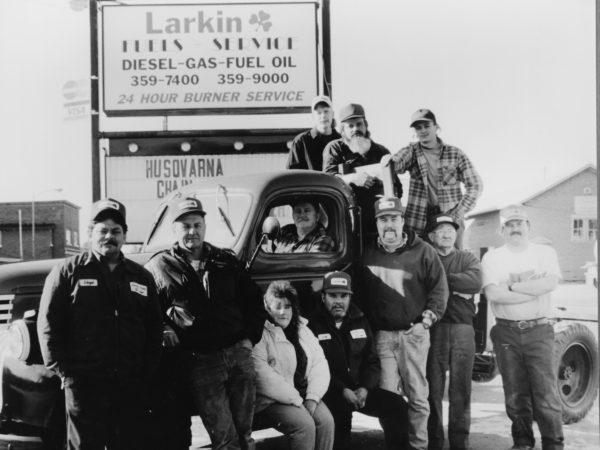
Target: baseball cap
{"x": 182, "y": 206}
{"x": 351, "y": 111}
{"x": 439, "y": 219}
{"x": 109, "y": 208}
{"x": 422, "y": 115}
{"x": 320, "y": 99}
{"x": 388, "y": 205}
{"x": 337, "y": 282}
{"x": 513, "y": 212}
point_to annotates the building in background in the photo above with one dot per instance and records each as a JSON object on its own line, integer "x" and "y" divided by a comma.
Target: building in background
{"x": 56, "y": 230}
{"x": 563, "y": 214}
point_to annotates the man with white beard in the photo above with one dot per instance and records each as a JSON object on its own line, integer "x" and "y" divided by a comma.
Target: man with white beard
{"x": 355, "y": 149}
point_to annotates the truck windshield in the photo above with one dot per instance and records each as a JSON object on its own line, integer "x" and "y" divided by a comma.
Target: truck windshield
{"x": 226, "y": 215}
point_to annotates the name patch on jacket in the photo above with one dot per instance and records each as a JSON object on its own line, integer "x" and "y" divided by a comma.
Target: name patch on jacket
{"x": 324, "y": 337}
{"x": 88, "y": 282}
{"x": 358, "y": 333}
{"x": 139, "y": 288}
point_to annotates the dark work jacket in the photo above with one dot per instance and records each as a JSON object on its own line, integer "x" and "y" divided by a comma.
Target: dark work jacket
{"x": 226, "y": 304}
{"x": 306, "y": 151}
{"x": 98, "y": 323}
{"x": 350, "y": 350}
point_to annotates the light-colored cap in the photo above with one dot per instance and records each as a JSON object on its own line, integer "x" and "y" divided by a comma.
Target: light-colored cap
{"x": 513, "y": 212}
{"x": 320, "y": 99}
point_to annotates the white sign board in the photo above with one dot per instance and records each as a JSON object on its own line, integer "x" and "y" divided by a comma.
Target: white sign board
{"x": 141, "y": 183}
{"x": 208, "y": 58}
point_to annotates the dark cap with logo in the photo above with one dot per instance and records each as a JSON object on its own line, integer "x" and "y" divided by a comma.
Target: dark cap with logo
{"x": 109, "y": 208}
{"x": 187, "y": 205}
{"x": 352, "y": 111}
{"x": 388, "y": 205}
{"x": 440, "y": 219}
{"x": 337, "y": 282}
{"x": 422, "y": 115}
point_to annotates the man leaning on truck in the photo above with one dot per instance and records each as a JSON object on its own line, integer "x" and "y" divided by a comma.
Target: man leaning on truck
{"x": 214, "y": 315}
{"x": 99, "y": 327}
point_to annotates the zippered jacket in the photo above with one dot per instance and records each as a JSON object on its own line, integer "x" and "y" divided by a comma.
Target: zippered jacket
{"x": 224, "y": 303}
{"x": 97, "y": 323}
{"x": 350, "y": 349}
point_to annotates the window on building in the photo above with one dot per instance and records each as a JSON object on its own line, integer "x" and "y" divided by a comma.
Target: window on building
{"x": 592, "y": 229}
{"x": 584, "y": 229}
{"x": 68, "y": 237}
{"x": 75, "y": 238}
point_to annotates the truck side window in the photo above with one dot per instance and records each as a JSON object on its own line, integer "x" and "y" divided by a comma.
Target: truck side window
{"x": 304, "y": 227}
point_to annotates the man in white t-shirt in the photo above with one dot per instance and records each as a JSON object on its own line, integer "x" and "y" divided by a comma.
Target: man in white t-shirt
{"x": 517, "y": 279}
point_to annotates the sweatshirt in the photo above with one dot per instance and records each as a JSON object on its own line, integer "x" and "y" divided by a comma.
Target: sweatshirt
{"x": 398, "y": 286}
{"x": 463, "y": 272}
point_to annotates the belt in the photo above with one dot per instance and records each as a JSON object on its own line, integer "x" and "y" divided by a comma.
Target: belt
{"x": 522, "y": 324}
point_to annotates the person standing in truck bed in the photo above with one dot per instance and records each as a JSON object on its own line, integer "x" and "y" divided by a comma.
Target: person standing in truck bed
{"x": 306, "y": 151}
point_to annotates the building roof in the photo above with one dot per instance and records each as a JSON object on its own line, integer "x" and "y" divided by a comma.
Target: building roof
{"x": 499, "y": 200}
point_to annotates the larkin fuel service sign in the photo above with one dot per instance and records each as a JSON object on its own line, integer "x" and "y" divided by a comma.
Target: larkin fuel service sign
{"x": 208, "y": 58}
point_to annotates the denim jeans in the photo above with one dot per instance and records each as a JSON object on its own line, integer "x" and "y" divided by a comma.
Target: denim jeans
{"x": 223, "y": 391}
{"x": 526, "y": 362}
{"x": 390, "y": 408}
{"x": 452, "y": 348}
{"x": 303, "y": 431}
{"x": 403, "y": 357}
{"x": 104, "y": 414}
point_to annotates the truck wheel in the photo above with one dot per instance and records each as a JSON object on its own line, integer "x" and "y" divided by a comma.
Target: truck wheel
{"x": 576, "y": 362}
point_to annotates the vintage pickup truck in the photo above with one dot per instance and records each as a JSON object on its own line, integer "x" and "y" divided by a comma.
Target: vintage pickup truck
{"x": 242, "y": 212}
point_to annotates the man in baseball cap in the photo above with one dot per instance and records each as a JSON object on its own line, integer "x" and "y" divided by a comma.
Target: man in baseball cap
{"x": 453, "y": 337}
{"x": 355, "y": 149}
{"x": 407, "y": 293}
{"x": 518, "y": 279}
{"x": 306, "y": 150}
{"x": 433, "y": 164}
{"x": 348, "y": 343}
{"x": 209, "y": 345}
{"x": 100, "y": 328}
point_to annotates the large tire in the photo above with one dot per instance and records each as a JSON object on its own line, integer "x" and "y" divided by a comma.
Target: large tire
{"x": 576, "y": 362}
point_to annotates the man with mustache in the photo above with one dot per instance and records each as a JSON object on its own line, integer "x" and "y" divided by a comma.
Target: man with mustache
{"x": 345, "y": 335}
{"x": 404, "y": 289}
{"x": 355, "y": 149}
{"x": 213, "y": 314}
{"x": 99, "y": 327}
{"x": 307, "y": 234}
{"x": 437, "y": 171}
{"x": 518, "y": 279}
{"x": 306, "y": 151}
{"x": 453, "y": 338}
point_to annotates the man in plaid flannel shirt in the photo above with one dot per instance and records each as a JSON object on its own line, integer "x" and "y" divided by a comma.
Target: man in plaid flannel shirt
{"x": 436, "y": 173}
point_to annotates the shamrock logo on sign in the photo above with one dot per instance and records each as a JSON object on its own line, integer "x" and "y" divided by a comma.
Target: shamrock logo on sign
{"x": 262, "y": 20}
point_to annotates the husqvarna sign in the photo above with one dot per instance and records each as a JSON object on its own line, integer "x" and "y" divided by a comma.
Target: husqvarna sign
{"x": 208, "y": 58}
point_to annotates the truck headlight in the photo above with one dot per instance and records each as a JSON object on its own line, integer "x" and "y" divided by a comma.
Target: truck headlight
{"x": 18, "y": 341}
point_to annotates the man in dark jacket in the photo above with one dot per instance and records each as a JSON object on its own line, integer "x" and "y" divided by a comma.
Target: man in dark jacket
{"x": 405, "y": 293}
{"x": 345, "y": 335}
{"x": 214, "y": 315}
{"x": 306, "y": 151}
{"x": 99, "y": 327}
{"x": 453, "y": 338}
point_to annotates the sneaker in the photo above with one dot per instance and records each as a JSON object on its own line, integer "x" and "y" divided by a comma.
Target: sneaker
{"x": 521, "y": 447}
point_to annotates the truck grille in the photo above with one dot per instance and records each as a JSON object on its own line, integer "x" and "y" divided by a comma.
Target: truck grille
{"x": 6, "y": 305}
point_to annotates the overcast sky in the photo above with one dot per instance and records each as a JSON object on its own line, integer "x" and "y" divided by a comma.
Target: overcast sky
{"x": 512, "y": 83}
